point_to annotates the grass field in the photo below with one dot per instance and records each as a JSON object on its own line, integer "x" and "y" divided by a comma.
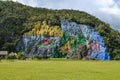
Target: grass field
{"x": 59, "y": 70}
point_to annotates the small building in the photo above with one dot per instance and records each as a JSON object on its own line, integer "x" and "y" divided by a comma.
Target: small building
{"x": 3, "y": 54}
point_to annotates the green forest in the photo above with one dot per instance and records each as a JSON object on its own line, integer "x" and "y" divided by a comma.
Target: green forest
{"x": 17, "y": 19}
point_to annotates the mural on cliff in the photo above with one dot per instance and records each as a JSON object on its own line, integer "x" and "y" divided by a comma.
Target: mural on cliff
{"x": 70, "y": 40}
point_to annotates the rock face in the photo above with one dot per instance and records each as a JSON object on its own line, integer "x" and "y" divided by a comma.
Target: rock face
{"x": 69, "y": 40}
{"x": 79, "y": 53}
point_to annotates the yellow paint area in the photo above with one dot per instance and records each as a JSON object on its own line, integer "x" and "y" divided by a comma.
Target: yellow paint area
{"x": 44, "y": 29}
{"x": 67, "y": 46}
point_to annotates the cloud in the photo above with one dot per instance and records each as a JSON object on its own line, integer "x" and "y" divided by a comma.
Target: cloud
{"x": 117, "y": 2}
{"x": 109, "y": 6}
{"x": 14, "y": 0}
{"x": 115, "y": 11}
{"x": 103, "y": 3}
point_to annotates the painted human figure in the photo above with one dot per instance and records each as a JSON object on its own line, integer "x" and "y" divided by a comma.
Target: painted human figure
{"x": 90, "y": 47}
{"x": 95, "y": 46}
{"x": 100, "y": 48}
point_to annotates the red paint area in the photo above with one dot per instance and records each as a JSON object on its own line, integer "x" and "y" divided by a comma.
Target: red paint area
{"x": 96, "y": 46}
{"x": 90, "y": 46}
{"x": 46, "y": 41}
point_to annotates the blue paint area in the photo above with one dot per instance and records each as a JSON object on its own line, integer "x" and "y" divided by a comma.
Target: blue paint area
{"x": 101, "y": 52}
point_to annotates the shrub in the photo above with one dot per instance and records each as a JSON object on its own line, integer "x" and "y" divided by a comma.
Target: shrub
{"x": 117, "y": 57}
{"x": 37, "y": 57}
{"x": 45, "y": 57}
{"x": 116, "y": 54}
{"x": 21, "y": 56}
{"x": 40, "y": 57}
{"x": 10, "y": 57}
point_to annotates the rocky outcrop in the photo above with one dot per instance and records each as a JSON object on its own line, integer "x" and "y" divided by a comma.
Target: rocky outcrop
{"x": 68, "y": 40}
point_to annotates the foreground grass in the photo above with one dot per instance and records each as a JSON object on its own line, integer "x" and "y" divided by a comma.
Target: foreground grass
{"x": 59, "y": 70}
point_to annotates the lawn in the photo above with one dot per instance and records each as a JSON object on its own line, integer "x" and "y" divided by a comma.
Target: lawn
{"x": 59, "y": 70}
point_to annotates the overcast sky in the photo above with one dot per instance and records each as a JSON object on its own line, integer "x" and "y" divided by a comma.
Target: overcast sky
{"x": 106, "y": 10}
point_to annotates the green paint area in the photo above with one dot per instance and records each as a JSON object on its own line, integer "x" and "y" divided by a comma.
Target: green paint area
{"x": 42, "y": 45}
{"x": 78, "y": 39}
{"x": 58, "y": 54}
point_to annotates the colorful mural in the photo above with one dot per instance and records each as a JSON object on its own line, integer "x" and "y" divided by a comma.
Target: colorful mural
{"x": 68, "y": 40}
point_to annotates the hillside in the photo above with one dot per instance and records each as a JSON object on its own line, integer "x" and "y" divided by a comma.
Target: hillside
{"x": 17, "y": 19}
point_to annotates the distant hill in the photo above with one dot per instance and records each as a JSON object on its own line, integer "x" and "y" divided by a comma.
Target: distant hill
{"x": 16, "y": 19}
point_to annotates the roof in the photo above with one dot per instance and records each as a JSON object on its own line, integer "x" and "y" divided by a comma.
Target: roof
{"x": 3, "y": 52}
